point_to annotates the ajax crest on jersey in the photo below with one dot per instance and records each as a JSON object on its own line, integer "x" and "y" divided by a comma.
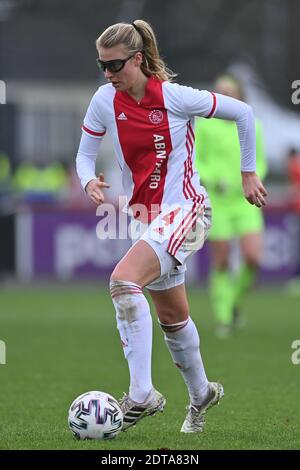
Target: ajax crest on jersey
{"x": 95, "y": 415}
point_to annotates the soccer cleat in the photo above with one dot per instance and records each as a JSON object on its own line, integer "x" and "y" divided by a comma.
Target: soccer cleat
{"x": 195, "y": 419}
{"x": 133, "y": 411}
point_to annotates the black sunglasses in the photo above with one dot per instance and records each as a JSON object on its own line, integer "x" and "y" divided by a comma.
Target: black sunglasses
{"x": 113, "y": 66}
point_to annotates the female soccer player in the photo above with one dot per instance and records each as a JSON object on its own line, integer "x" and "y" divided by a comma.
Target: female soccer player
{"x": 151, "y": 122}
{"x": 233, "y": 217}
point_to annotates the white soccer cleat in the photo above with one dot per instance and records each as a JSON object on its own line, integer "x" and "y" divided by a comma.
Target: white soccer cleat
{"x": 134, "y": 412}
{"x": 195, "y": 419}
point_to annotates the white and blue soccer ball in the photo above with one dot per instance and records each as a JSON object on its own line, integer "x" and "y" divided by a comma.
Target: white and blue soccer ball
{"x": 95, "y": 415}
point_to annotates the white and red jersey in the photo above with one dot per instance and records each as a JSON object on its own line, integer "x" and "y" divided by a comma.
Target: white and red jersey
{"x": 153, "y": 140}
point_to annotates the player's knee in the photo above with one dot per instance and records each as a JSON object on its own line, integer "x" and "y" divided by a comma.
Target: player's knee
{"x": 123, "y": 273}
{"x": 221, "y": 262}
{"x": 221, "y": 265}
{"x": 168, "y": 315}
{"x": 252, "y": 260}
{"x": 117, "y": 275}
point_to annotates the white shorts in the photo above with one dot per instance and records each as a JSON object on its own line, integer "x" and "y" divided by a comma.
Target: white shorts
{"x": 175, "y": 235}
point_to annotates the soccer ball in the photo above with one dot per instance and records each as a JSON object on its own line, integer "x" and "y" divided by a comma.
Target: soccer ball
{"x": 95, "y": 415}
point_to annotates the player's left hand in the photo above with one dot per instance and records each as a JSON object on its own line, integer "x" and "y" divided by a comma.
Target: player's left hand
{"x": 254, "y": 190}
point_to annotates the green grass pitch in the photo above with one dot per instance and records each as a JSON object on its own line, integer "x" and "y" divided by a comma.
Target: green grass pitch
{"x": 61, "y": 342}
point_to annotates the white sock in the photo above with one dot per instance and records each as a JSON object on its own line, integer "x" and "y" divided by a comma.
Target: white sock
{"x": 183, "y": 342}
{"x": 134, "y": 323}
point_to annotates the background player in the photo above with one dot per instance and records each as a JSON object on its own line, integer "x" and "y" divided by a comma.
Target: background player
{"x": 218, "y": 161}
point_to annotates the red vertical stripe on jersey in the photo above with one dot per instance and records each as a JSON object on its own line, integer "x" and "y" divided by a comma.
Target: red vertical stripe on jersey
{"x": 145, "y": 140}
{"x": 188, "y": 189}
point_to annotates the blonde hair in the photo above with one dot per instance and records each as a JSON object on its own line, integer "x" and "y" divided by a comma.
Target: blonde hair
{"x": 138, "y": 37}
{"x": 234, "y": 82}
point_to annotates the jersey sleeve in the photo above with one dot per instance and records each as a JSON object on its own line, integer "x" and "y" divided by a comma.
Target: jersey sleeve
{"x": 198, "y": 102}
{"x": 86, "y": 158}
{"x": 93, "y": 124}
{"x": 93, "y": 131}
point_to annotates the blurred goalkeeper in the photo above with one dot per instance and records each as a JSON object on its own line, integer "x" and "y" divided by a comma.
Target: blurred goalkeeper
{"x": 218, "y": 162}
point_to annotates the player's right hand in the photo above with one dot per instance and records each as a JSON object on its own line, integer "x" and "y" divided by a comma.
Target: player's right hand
{"x": 94, "y": 189}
